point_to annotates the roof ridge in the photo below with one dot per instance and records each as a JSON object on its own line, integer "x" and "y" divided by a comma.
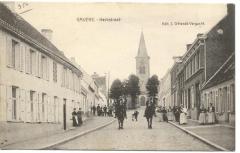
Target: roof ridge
{"x": 218, "y": 70}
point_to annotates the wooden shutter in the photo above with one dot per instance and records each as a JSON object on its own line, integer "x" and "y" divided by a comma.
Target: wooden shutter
{"x": 17, "y": 56}
{"x": 22, "y": 57}
{"x": 45, "y": 108}
{"x": 18, "y": 106}
{"x": 22, "y": 105}
{"x": 35, "y": 107}
{"x": 9, "y": 103}
{"x": 47, "y": 68}
{"x": 48, "y": 109}
{"x": 28, "y": 107}
{"x": 40, "y": 65}
{"x": 9, "y": 52}
{"x": 40, "y": 113}
{"x": 27, "y": 60}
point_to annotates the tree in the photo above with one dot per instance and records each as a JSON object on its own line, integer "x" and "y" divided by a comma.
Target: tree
{"x": 133, "y": 88}
{"x": 125, "y": 88}
{"x": 116, "y": 89}
{"x": 152, "y": 87}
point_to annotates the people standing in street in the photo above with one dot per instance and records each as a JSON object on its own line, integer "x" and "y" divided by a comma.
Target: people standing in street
{"x": 94, "y": 110}
{"x": 98, "y": 110}
{"x": 177, "y": 114}
{"x": 170, "y": 114}
{"x": 74, "y": 118}
{"x": 211, "y": 114}
{"x": 160, "y": 114}
{"x": 79, "y": 117}
{"x": 105, "y": 110}
{"x": 183, "y": 115}
{"x": 165, "y": 118}
{"x": 149, "y": 112}
{"x": 202, "y": 116}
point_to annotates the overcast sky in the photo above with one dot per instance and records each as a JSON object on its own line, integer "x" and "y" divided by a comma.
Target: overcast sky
{"x": 112, "y": 46}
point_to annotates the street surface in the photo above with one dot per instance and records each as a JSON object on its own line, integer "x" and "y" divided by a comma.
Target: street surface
{"x": 136, "y": 136}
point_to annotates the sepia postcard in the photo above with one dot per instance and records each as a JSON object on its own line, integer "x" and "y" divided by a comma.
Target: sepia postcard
{"x": 117, "y": 76}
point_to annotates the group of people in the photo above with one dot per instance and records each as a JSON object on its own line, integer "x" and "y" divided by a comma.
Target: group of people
{"x": 77, "y": 117}
{"x": 207, "y": 116}
{"x": 178, "y": 114}
{"x": 101, "y": 110}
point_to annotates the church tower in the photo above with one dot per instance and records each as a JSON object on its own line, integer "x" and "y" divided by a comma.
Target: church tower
{"x": 142, "y": 69}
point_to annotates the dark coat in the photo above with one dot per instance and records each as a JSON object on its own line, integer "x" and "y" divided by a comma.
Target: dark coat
{"x": 74, "y": 119}
{"x": 149, "y": 111}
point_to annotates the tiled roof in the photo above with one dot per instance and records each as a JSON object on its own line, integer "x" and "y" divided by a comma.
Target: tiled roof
{"x": 22, "y": 26}
{"x": 225, "y": 72}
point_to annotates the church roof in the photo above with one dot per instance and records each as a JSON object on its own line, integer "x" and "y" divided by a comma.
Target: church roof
{"x": 142, "y": 50}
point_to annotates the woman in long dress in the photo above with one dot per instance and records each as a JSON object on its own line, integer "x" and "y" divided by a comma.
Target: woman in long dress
{"x": 160, "y": 114}
{"x": 170, "y": 114}
{"x": 183, "y": 115}
{"x": 202, "y": 116}
{"x": 74, "y": 117}
{"x": 211, "y": 114}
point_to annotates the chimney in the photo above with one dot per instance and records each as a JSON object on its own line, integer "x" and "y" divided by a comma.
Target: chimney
{"x": 188, "y": 46}
{"x": 47, "y": 33}
{"x": 199, "y": 35}
{"x": 73, "y": 59}
{"x": 177, "y": 59}
{"x": 10, "y": 5}
{"x": 230, "y": 9}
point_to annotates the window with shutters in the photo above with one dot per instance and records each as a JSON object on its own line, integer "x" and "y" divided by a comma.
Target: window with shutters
{"x": 54, "y": 71}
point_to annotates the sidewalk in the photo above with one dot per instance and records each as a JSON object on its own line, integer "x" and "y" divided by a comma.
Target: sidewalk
{"x": 48, "y": 141}
{"x": 220, "y": 136}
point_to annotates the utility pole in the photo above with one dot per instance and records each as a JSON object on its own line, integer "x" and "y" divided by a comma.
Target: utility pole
{"x": 108, "y": 77}
{"x": 108, "y": 87}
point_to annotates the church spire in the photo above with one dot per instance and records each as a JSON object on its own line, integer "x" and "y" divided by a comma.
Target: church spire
{"x": 142, "y": 50}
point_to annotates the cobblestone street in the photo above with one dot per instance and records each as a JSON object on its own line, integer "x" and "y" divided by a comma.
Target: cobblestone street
{"x": 136, "y": 136}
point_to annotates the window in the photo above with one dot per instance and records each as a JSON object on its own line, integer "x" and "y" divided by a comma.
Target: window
{"x": 64, "y": 77}
{"x": 14, "y": 103}
{"x": 54, "y": 72}
{"x": 43, "y": 68}
{"x": 142, "y": 69}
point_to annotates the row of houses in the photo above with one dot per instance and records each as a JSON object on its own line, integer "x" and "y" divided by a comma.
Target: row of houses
{"x": 205, "y": 73}
{"x": 38, "y": 83}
